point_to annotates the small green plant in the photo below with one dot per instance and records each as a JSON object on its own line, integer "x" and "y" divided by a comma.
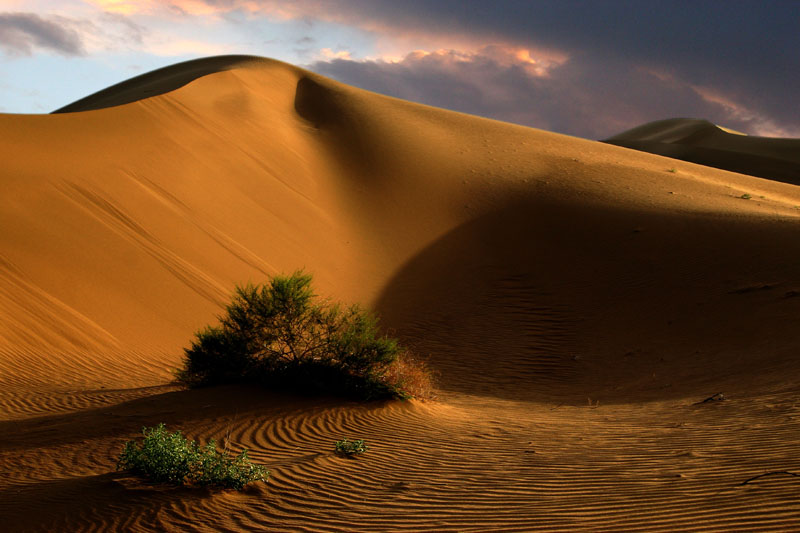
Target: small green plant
{"x": 673, "y": 170}
{"x": 745, "y": 196}
{"x": 350, "y": 447}
{"x": 165, "y": 457}
{"x": 277, "y": 335}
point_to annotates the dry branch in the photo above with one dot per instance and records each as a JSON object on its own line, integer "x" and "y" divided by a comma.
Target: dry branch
{"x": 745, "y": 482}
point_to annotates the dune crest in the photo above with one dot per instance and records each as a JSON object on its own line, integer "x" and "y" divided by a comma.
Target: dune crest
{"x": 158, "y": 82}
{"x": 579, "y": 299}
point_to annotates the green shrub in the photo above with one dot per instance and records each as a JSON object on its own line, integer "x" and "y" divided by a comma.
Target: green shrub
{"x": 221, "y": 470}
{"x": 350, "y": 447}
{"x": 165, "y": 457}
{"x": 278, "y": 335}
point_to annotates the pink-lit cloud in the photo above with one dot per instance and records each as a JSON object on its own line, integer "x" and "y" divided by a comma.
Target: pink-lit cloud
{"x": 758, "y": 123}
{"x": 579, "y": 97}
{"x": 394, "y": 37}
{"x": 155, "y": 7}
{"x": 329, "y": 54}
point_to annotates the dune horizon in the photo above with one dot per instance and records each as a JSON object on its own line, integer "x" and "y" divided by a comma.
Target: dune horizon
{"x": 614, "y": 330}
{"x": 699, "y": 141}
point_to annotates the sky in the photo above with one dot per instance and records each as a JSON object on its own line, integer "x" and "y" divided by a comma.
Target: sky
{"x": 587, "y": 68}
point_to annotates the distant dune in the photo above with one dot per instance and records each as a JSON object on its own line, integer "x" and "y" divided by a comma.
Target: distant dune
{"x": 580, "y": 300}
{"x": 704, "y": 143}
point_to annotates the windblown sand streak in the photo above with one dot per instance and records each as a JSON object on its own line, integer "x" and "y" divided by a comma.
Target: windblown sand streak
{"x": 579, "y": 301}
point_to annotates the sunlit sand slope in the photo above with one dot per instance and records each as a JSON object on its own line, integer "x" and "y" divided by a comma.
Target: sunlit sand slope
{"x": 704, "y": 143}
{"x": 579, "y": 300}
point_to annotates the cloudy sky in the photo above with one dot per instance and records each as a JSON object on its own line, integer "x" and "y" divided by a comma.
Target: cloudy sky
{"x": 589, "y": 68}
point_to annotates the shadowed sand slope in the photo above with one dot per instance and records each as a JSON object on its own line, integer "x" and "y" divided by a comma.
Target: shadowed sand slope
{"x": 578, "y": 299}
{"x": 704, "y": 143}
{"x": 157, "y": 82}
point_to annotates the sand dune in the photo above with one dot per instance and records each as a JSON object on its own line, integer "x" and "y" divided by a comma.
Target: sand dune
{"x": 704, "y": 143}
{"x": 579, "y": 300}
{"x": 157, "y": 82}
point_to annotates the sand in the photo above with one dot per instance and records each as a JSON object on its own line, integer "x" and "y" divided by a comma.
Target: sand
{"x": 579, "y": 300}
{"x": 700, "y": 141}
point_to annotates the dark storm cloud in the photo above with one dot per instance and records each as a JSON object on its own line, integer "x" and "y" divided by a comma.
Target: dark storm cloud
{"x": 746, "y": 52}
{"x": 21, "y": 33}
{"x": 746, "y": 36}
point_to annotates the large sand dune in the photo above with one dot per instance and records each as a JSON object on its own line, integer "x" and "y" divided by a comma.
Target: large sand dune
{"x": 579, "y": 300}
{"x": 700, "y": 141}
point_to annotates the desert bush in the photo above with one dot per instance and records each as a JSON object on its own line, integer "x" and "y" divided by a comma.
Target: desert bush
{"x": 411, "y": 376}
{"x": 278, "y": 334}
{"x": 220, "y": 469}
{"x": 165, "y": 457}
{"x": 350, "y": 447}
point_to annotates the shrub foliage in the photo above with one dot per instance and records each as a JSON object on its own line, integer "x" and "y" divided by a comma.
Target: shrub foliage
{"x": 350, "y": 447}
{"x": 165, "y": 457}
{"x": 279, "y": 334}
